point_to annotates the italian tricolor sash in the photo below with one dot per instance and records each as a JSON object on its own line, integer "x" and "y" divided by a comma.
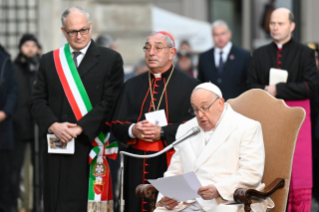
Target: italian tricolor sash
{"x": 100, "y": 184}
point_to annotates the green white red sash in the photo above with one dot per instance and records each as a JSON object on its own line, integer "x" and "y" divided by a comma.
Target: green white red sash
{"x": 100, "y": 185}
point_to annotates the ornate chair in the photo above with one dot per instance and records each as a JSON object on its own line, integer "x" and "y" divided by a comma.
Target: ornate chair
{"x": 280, "y": 126}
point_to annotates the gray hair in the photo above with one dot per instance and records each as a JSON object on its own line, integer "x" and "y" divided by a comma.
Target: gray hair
{"x": 169, "y": 41}
{"x": 105, "y": 41}
{"x": 218, "y": 23}
{"x": 67, "y": 12}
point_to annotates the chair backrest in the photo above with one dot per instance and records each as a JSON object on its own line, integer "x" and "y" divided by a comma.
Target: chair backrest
{"x": 280, "y": 126}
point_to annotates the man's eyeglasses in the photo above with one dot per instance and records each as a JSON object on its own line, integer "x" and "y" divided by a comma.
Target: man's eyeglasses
{"x": 157, "y": 49}
{"x": 203, "y": 109}
{"x": 75, "y": 32}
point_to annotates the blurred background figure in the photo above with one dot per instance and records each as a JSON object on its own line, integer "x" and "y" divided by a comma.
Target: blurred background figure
{"x": 26, "y": 66}
{"x": 8, "y": 98}
{"x": 185, "y": 46}
{"x": 225, "y": 65}
{"x": 185, "y": 63}
{"x": 265, "y": 18}
{"x": 106, "y": 41}
{"x": 140, "y": 68}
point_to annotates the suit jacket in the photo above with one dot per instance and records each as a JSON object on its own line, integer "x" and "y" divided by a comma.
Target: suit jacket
{"x": 8, "y": 99}
{"x": 232, "y": 80}
{"x": 66, "y": 176}
{"x": 233, "y": 158}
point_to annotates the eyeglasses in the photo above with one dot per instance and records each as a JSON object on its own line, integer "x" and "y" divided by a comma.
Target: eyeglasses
{"x": 75, "y": 32}
{"x": 203, "y": 109}
{"x": 156, "y": 48}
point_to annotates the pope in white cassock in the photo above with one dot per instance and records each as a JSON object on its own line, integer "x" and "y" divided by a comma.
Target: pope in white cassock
{"x": 227, "y": 154}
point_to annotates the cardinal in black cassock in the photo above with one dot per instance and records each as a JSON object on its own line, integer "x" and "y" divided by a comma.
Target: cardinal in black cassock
{"x": 171, "y": 90}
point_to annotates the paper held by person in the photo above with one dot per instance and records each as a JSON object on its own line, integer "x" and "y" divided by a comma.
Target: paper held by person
{"x": 180, "y": 187}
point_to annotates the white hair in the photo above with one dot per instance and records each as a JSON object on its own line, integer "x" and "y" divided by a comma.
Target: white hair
{"x": 169, "y": 41}
{"x": 218, "y": 23}
{"x": 67, "y": 12}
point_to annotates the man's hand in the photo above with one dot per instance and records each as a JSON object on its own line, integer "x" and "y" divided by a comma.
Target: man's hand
{"x": 143, "y": 130}
{"x": 146, "y": 131}
{"x": 168, "y": 203}
{"x": 63, "y": 131}
{"x": 271, "y": 89}
{"x": 208, "y": 192}
{"x": 2, "y": 116}
{"x": 75, "y": 131}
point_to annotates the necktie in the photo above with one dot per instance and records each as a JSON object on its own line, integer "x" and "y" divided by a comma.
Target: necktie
{"x": 221, "y": 62}
{"x": 75, "y": 55}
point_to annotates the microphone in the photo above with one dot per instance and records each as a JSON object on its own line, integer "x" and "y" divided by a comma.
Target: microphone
{"x": 193, "y": 131}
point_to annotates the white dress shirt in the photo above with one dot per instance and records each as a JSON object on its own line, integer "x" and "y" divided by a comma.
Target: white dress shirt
{"x": 83, "y": 52}
{"x": 225, "y": 54}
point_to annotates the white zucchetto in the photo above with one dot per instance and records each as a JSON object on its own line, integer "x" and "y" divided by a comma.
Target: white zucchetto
{"x": 210, "y": 87}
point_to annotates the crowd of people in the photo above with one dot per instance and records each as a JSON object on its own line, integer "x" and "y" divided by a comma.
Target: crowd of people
{"x": 79, "y": 92}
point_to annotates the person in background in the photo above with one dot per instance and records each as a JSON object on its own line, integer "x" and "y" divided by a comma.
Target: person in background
{"x": 184, "y": 62}
{"x": 140, "y": 68}
{"x": 185, "y": 46}
{"x": 8, "y": 99}
{"x": 225, "y": 65}
{"x": 26, "y": 67}
{"x": 285, "y": 54}
{"x": 265, "y": 18}
{"x": 106, "y": 41}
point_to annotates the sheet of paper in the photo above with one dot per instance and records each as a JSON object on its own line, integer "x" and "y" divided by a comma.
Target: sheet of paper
{"x": 179, "y": 187}
{"x": 55, "y": 146}
{"x": 157, "y": 117}
{"x": 277, "y": 76}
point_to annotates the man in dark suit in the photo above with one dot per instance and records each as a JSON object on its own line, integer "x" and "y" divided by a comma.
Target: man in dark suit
{"x": 66, "y": 177}
{"x": 8, "y": 99}
{"x": 225, "y": 65}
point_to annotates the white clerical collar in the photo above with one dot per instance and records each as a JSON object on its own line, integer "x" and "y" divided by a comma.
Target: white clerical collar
{"x": 225, "y": 50}
{"x": 158, "y": 75}
{"x": 279, "y": 45}
{"x": 83, "y": 51}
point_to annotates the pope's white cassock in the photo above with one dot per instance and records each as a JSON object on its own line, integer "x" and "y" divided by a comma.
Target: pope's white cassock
{"x": 230, "y": 156}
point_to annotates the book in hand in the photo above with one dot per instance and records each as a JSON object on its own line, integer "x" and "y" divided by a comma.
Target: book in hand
{"x": 180, "y": 187}
{"x": 55, "y": 146}
{"x": 277, "y": 76}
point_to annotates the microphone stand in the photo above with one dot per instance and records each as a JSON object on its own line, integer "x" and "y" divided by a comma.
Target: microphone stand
{"x": 191, "y": 132}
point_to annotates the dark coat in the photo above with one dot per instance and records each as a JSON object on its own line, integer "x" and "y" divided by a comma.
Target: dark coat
{"x": 66, "y": 176}
{"x": 232, "y": 80}
{"x": 297, "y": 59}
{"x": 8, "y": 99}
{"x": 23, "y": 122}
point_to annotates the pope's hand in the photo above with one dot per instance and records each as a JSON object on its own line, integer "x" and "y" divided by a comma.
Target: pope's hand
{"x": 208, "y": 192}
{"x": 168, "y": 203}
